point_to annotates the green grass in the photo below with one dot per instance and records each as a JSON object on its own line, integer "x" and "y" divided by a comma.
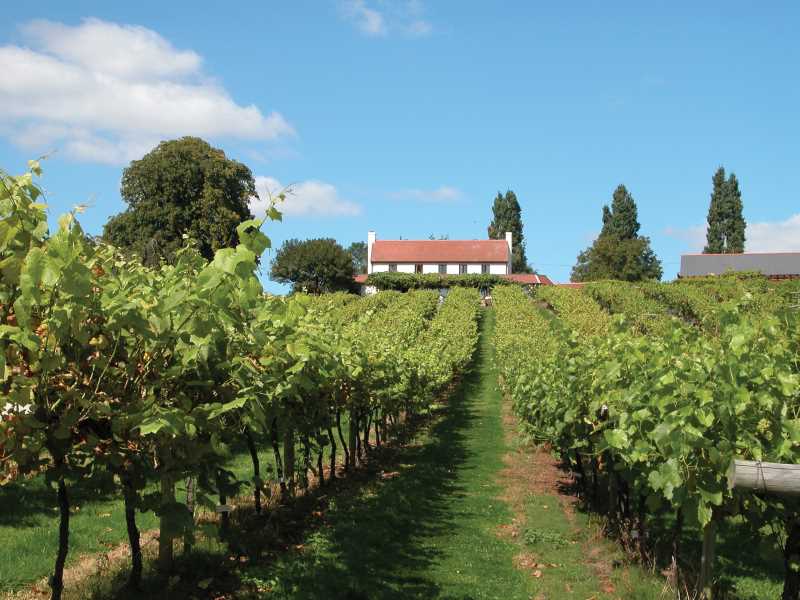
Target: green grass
{"x": 429, "y": 531}
{"x": 29, "y": 521}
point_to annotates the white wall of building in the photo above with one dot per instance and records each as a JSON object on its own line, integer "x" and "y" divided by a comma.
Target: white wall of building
{"x": 452, "y": 269}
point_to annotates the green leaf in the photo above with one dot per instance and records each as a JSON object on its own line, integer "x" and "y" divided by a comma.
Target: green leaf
{"x": 616, "y": 438}
{"x": 704, "y": 514}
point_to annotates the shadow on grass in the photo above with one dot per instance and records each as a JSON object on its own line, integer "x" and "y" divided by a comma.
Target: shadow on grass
{"x": 24, "y": 503}
{"x": 362, "y": 537}
{"x": 747, "y": 565}
{"x": 373, "y": 544}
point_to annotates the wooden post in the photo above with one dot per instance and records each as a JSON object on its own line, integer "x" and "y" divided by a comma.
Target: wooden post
{"x": 165, "y": 551}
{"x": 773, "y": 478}
{"x": 288, "y": 459}
{"x": 707, "y": 560}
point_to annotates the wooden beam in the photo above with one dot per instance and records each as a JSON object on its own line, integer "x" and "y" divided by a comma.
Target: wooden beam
{"x": 773, "y": 478}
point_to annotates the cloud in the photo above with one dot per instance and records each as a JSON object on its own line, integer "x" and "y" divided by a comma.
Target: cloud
{"x": 764, "y": 236}
{"x": 105, "y": 92}
{"x": 780, "y": 236}
{"x": 368, "y": 20}
{"x": 307, "y": 198}
{"x": 443, "y": 193}
{"x": 376, "y": 18}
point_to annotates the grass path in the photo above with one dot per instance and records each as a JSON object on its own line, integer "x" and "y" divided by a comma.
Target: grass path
{"x": 428, "y": 529}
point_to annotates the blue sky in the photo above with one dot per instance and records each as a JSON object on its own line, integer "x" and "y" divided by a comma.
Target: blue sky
{"x": 408, "y": 117}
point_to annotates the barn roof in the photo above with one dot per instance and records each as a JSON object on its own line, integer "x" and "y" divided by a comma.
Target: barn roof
{"x": 440, "y": 251}
{"x": 771, "y": 264}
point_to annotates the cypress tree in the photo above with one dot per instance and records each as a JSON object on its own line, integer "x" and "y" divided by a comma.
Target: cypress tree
{"x": 726, "y": 224}
{"x": 507, "y": 216}
{"x": 717, "y": 216}
{"x": 736, "y": 223}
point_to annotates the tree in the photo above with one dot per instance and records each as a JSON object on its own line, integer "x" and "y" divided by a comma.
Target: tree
{"x": 726, "y": 225}
{"x": 180, "y": 187}
{"x": 316, "y": 266}
{"x": 358, "y": 250}
{"x": 619, "y": 252}
{"x": 507, "y": 216}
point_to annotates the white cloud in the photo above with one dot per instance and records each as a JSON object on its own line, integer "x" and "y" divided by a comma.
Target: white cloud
{"x": 380, "y": 17}
{"x": 764, "y": 236}
{"x": 780, "y": 236}
{"x": 443, "y": 193}
{"x": 307, "y": 198}
{"x": 368, "y": 20}
{"x": 105, "y": 92}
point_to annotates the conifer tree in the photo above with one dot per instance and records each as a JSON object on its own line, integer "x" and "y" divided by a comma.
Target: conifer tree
{"x": 619, "y": 252}
{"x": 717, "y": 216}
{"x": 726, "y": 224}
{"x": 736, "y": 223}
{"x": 507, "y": 216}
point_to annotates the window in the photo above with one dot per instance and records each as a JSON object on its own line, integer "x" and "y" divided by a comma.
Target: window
{"x": 442, "y": 269}
{"x": 418, "y": 268}
{"x": 393, "y": 268}
{"x": 485, "y": 269}
{"x": 462, "y": 269}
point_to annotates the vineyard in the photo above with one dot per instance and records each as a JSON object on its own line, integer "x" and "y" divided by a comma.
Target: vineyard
{"x": 650, "y": 392}
{"x": 202, "y": 408}
{"x": 145, "y": 379}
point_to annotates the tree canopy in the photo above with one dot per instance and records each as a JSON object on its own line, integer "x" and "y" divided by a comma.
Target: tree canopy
{"x": 358, "y": 250}
{"x": 726, "y": 224}
{"x": 181, "y": 187}
{"x": 619, "y": 252}
{"x": 316, "y": 266}
{"x": 507, "y": 216}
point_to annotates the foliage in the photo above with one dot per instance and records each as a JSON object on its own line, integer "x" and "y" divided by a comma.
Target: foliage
{"x": 433, "y": 281}
{"x": 726, "y": 225}
{"x": 358, "y": 250}
{"x": 619, "y": 252}
{"x": 507, "y": 216}
{"x": 316, "y": 266}
{"x": 120, "y": 374}
{"x": 577, "y": 308}
{"x": 666, "y": 413}
{"x": 181, "y": 187}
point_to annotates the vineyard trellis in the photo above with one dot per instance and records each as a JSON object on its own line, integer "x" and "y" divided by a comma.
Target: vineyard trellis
{"x": 659, "y": 418}
{"x": 117, "y": 374}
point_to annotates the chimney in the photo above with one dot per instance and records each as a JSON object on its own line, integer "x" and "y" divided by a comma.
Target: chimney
{"x": 370, "y": 241}
{"x": 510, "y": 249}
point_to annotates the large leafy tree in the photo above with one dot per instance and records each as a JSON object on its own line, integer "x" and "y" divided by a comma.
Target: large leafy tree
{"x": 507, "y": 216}
{"x": 181, "y": 187}
{"x": 316, "y": 266}
{"x": 726, "y": 224}
{"x": 358, "y": 250}
{"x": 619, "y": 252}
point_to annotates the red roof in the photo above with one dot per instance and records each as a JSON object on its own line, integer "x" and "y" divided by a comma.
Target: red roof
{"x": 440, "y": 251}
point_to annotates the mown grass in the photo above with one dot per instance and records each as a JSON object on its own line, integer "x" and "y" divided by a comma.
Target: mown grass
{"x": 29, "y": 521}
{"x": 429, "y": 529}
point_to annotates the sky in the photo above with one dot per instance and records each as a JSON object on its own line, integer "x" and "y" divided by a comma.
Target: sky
{"x": 407, "y": 117}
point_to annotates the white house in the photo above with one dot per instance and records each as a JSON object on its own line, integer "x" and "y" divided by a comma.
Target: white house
{"x": 445, "y": 257}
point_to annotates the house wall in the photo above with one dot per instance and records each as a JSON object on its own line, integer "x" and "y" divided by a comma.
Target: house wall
{"x": 452, "y": 269}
